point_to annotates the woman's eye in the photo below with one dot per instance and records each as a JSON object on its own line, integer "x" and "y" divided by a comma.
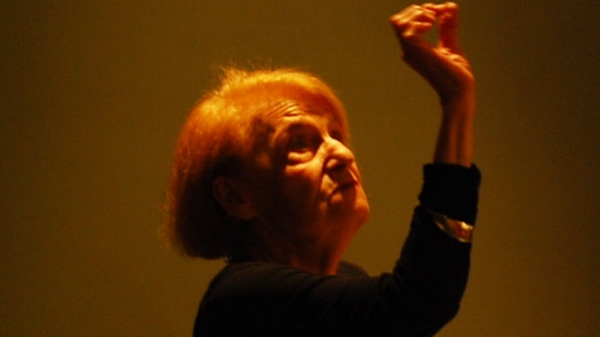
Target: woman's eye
{"x": 301, "y": 148}
{"x": 299, "y": 144}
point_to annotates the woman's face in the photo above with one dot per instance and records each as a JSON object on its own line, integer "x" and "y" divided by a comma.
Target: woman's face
{"x": 310, "y": 186}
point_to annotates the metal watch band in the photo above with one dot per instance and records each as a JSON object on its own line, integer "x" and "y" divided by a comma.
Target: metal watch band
{"x": 459, "y": 230}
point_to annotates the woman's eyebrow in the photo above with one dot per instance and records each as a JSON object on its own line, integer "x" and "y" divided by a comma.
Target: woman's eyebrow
{"x": 284, "y": 131}
{"x": 292, "y": 124}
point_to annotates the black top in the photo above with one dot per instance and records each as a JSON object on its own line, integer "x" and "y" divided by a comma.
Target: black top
{"x": 418, "y": 298}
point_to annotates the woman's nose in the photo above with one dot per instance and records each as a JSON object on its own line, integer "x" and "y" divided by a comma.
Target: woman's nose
{"x": 340, "y": 155}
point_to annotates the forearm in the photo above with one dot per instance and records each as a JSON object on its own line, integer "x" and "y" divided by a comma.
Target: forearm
{"x": 455, "y": 138}
{"x": 448, "y": 72}
{"x": 437, "y": 263}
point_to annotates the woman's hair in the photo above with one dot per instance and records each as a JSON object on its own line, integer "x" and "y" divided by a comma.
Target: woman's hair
{"x": 220, "y": 138}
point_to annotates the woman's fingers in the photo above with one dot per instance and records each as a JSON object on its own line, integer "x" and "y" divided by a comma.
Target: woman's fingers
{"x": 449, "y": 27}
{"x": 443, "y": 66}
{"x": 414, "y": 20}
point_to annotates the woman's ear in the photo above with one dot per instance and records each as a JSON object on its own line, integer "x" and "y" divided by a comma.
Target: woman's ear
{"x": 233, "y": 197}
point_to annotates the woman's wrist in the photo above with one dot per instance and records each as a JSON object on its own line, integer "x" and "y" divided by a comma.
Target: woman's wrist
{"x": 455, "y": 138}
{"x": 459, "y": 105}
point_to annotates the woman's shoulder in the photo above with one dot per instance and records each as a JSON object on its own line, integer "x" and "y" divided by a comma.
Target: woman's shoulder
{"x": 256, "y": 277}
{"x": 346, "y": 268}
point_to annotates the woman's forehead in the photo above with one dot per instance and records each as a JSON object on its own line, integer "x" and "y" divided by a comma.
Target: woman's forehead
{"x": 286, "y": 110}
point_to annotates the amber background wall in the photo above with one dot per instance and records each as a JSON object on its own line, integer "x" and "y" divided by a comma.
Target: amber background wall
{"x": 93, "y": 94}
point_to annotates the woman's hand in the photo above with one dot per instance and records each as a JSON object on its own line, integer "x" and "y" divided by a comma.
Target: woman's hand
{"x": 447, "y": 71}
{"x": 443, "y": 66}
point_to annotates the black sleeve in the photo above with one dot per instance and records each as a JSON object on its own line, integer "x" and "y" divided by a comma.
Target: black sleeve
{"x": 418, "y": 298}
{"x": 451, "y": 190}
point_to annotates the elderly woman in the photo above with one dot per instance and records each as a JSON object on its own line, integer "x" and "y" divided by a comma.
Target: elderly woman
{"x": 264, "y": 177}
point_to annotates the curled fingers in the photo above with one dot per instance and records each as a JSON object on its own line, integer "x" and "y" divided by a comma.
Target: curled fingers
{"x": 414, "y": 20}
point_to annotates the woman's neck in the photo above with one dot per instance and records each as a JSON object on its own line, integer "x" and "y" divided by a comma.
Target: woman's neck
{"x": 309, "y": 254}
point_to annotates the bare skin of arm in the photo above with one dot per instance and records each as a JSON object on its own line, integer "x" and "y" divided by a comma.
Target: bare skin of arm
{"x": 447, "y": 70}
